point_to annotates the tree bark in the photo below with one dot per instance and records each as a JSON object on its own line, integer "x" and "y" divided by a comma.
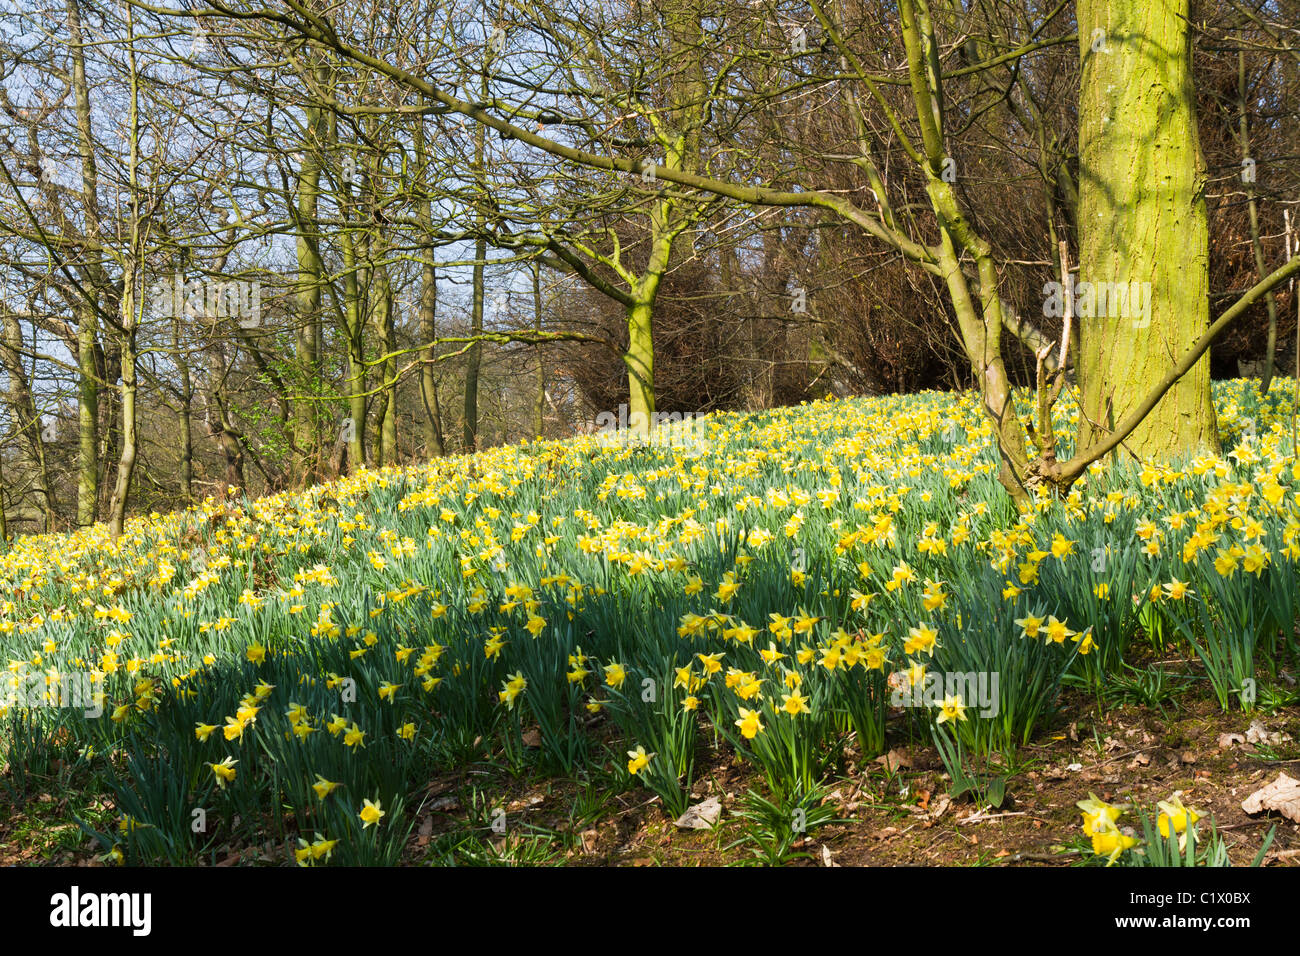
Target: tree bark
{"x": 539, "y": 407}
{"x": 126, "y": 461}
{"x": 1142, "y": 219}
{"x": 311, "y": 277}
{"x": 1248, "y": 180}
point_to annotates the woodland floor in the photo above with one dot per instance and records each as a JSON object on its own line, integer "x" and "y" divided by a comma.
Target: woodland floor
{"x": 894, "y": 811}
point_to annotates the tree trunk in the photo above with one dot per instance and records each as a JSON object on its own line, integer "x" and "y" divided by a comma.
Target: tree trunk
{"x": 433, "y": 443}
{"x": 639, "y": 360}
{"x": 87, "y": 419}
{"x": 126, "y": 462}
{"x": 1248, "y": 180}
{"x": 89, "y": 370}
{"x": 474, "y": 355}
{"x": 187, "y": 404}
{"x": 386, "y": 446}
{"x": 110, "y": 430}
{"x": 539, "y": 410}
{"x": 353, "y": 432}
{"x": 4, "y": 522}
{"x": 1142, "y": 226}
{"x": 310, "y": 280}
{"x": 26, "y": 417}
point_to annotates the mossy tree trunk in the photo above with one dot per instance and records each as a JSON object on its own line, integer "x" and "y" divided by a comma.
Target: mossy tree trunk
{"x": 1142, "y": 219}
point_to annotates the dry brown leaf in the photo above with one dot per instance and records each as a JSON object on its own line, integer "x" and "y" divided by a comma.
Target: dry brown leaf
{"x": 1259, "y": 734}
{"x": 1282, "y": 795}
{"x": 940, "y": 805}
{"x": 895, "y": 760}
{"x": 701, "y": 816}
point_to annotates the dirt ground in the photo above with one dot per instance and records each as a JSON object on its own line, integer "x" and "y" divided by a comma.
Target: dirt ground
{"x": 890, "y": 811}
{"x": 904, "y": 818}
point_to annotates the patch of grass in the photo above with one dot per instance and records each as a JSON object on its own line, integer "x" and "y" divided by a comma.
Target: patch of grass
{"x": 1151, "y": 687}
{"x": 769, "y": 830}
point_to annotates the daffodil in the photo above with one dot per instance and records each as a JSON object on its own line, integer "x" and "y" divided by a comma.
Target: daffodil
{"x": 1095, "y": 811}
{"x": 511, "y": 689}
{"x": 1057, "y": 631}
{"x": 1174, "y": 814}
{"x": 920, "y": 640}
{"x": 795, "y": 704}
{"x": 951, "y": 709}
{"x": 637, "y": 760}
{"x": 224, "y": 771}
{"x": 1110, "y": 842}
{"x": 1029, "y": 625}
{"x": 370, "y": 814}
{"x": 749, "y": 723}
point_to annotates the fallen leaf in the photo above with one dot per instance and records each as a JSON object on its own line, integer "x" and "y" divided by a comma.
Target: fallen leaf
{"x": 1259, "y": 734}
{"x": 1282, "y": 795}
{"x": 1230, "y": 740}
{"x": 532, "y": 737}
{"x": 826, "y": 856}
{"x": 701, "y": 816}
{"x": 895, "y": 760}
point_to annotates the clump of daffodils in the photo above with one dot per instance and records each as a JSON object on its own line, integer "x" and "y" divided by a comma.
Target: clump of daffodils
{"x": 1099, "y": 824}
{"x": 1108, "y": 840}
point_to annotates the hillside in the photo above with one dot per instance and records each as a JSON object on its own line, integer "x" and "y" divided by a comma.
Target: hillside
{"x": 406, "y": 659}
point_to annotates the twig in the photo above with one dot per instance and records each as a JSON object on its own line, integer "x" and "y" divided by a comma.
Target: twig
{"x": 980, "y": 818}
{"x": 1045, "y": 857}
